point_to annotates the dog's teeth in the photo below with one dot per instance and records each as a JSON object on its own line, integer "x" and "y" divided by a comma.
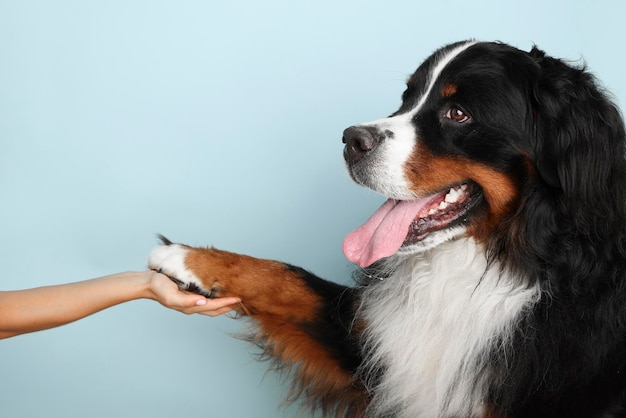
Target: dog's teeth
{"x": 443, "y": 205}
{"x": 432, "y": 211}
{"x": 453, "y": 195}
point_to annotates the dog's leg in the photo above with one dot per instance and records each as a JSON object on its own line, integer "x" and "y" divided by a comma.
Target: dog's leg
{"x": 303, "y": 322}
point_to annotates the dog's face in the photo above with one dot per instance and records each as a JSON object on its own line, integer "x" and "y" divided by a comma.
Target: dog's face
{"x": 452, "y": 158}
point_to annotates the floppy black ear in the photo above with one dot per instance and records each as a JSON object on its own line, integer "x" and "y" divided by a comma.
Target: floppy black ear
{"x": 579, "y": 144}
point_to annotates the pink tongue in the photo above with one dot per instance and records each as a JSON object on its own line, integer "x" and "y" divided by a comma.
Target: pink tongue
{"x": 383, "y": 233}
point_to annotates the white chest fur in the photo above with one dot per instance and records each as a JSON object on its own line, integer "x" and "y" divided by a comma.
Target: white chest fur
{"x": 430, "y": 327}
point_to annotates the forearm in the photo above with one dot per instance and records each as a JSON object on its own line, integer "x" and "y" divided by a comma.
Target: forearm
{"x": 31, "y": 310}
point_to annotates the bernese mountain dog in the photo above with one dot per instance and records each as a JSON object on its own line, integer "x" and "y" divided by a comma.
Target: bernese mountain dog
{"x": 492, "y": 281}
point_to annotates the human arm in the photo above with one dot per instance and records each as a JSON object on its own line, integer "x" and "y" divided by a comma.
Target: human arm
{"x": 24, "y": 311}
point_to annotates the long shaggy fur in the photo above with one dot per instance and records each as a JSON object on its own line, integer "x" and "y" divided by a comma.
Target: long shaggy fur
{"x": 508, "y": 299}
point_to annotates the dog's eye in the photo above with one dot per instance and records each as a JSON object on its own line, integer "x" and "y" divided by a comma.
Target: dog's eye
{"x": 457, "y": 114}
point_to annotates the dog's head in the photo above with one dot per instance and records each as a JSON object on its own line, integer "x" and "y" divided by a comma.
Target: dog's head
{"x": 482, "y": 127}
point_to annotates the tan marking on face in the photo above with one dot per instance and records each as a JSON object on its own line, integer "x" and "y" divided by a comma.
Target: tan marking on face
{"x": 448, "y": 90}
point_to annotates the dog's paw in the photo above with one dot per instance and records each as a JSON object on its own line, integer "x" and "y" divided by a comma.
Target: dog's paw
{"x": 169, "y": 259}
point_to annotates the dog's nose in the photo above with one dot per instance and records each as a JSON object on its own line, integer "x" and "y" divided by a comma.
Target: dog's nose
{"x": 359, "y": 141}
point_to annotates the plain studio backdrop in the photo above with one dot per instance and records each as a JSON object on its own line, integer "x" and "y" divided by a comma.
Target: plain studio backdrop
{"x": 213, "y": 123}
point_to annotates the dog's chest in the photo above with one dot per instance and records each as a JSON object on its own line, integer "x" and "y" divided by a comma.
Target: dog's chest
{"x": 431, "y": 327}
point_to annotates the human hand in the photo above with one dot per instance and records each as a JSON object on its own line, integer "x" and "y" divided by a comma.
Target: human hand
{"x": 167, "y": 293}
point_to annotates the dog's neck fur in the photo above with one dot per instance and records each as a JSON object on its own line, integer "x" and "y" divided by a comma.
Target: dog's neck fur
{"x": 431, "y": 327}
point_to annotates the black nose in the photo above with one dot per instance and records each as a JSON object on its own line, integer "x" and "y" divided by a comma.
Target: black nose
{"x": 359, "y": 141}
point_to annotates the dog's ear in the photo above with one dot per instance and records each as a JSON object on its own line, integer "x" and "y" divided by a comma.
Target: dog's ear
{"x": 578, "y": 133}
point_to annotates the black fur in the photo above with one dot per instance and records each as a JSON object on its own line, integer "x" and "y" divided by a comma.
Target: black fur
{"x": 337, "y": 313}
{"x": 570, "y": 354}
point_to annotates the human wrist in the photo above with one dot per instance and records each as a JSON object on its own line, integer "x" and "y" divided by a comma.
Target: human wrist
{"x": 148, "y": 285}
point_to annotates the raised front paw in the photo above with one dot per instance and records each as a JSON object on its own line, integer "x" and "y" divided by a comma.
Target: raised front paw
{"x": 169, "y": 259}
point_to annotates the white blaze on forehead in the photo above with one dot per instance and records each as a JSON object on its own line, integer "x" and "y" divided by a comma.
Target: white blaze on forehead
{"x": 401, "y": 137}
{"x": 436, "y": 71}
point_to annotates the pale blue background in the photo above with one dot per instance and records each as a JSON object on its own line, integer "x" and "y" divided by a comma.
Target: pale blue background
{"x": 215, "y": 122}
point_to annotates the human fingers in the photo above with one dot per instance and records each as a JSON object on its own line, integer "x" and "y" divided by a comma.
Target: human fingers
{"x": 218, "y": 312}
{"x": 215, "y": 307}
{"x": 167, "y": 293}
{"x": 219, "y": 306}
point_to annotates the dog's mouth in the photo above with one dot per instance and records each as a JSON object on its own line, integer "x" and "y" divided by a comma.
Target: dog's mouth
{"x": 399, "y": 223}
{"x": 445, "y": 209}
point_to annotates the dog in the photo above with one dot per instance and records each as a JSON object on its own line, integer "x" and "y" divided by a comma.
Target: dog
{"x": 492, "y": 281}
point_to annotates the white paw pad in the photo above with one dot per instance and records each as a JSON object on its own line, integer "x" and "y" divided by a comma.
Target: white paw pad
{"x": 170, "y": 260}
